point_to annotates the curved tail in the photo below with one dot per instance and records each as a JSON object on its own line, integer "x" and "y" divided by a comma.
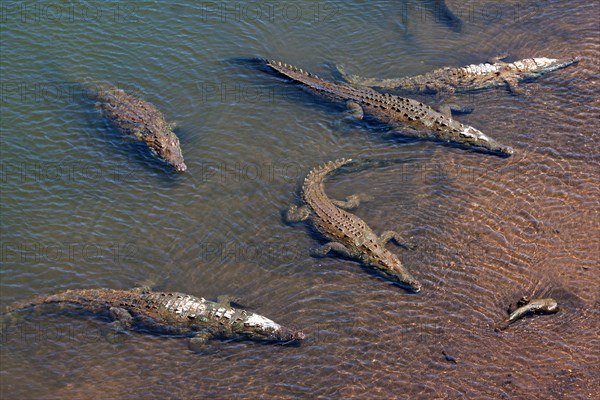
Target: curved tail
{"x": 502, "y": 325}
{"x": 318, "y": 174}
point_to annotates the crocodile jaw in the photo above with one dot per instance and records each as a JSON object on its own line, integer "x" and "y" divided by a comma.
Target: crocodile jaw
{"x": 472, "y": 137}
{"x": 259, "y": 321}
{"x": 169, "y": 150}
{"x": 391, "y": 266}
{"x": 408, "y": 282}
{"x": 542, "y": 65}
{"x": 261, "y": 328}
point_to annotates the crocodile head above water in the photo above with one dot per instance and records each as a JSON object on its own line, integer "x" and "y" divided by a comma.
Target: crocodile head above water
{"x": 390, "y": 265}
{"x": 257, "y": 327}
{"x": 167, "y": 148}
{"x": 478, "y": 141}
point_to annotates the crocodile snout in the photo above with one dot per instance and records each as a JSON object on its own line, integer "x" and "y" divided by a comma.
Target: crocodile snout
{"x": 415, "y": 286}
{"x": 180, "y": 167}
{"x": 299, "y": 336}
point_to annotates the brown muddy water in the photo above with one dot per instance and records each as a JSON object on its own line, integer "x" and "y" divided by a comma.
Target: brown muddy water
{"x": 81, "y": 208}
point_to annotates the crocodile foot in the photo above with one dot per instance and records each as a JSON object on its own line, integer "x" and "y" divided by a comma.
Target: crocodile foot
{"x": 396, "y": 237}
{"x": 352, "y": 201}
{"x": 196, "y": 344}
{"x": 514, "y": 88}
{"x": 116, "y": 331}
{"x": 229, "y": 300}
{"x": 355, "y": 111}
{"x": 498, "y": 59}
{"x": 324, "y": 250}
{"x": 454, "y": 109}
{"x": 297, "y": 214}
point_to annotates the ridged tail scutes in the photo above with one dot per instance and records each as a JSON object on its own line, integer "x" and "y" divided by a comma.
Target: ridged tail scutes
{"x": 288, "y": 70}
{"x": 318, "y": 173}
{"x": 68, "y": 296}
{"x": 32, "y": 302}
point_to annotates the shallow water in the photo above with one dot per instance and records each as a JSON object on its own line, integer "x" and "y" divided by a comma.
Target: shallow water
{"x": 83, "y": 208}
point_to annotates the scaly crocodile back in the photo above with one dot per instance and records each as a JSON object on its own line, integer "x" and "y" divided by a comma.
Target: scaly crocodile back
{"x": 465, "y": 78}
{"x": 410, "y": 117}
{"x": 141, "y": 119}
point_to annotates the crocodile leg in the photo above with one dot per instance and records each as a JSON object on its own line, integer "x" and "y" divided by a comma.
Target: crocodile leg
{"x": 355, "y": 111}
{"x": 498, "y": 59}
{"x": 513, "y": 86}
{"x": 229, "y": 300}
{"x": 297, "y": 214}
{"x": 440, "y": 90}
{"x": 389, "y": 235}
{"x": 197, "y": 343}
{"x": 451, "y": 108}
{"x": 331, "y": 246}
{"x": 144, "y": 288}
{"x": 352, "y": 80}
{"x": 115, "y": 331}
{"x": 122, "y": 318}
{"x": 352, "y": 201}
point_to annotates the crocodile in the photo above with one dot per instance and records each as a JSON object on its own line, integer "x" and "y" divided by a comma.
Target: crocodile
{"x": 348, "y": 235}
{"x": 445, "y": 15}
{"x": 404, "y": 116}
{"x": 525, "y": 307}
{"x": 440, "y": 10}
{"x": 142, "y": 120}
{"x": 473, "y": 77}
{"x": 169, "y": 313}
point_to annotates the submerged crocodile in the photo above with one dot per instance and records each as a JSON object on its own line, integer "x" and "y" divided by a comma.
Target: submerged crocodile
{"x": 142, "y": 120}
{"x": 471, "y": 77}
{"x": 347, "y": 234}
{"x": 170, "y": 313}
{"x": 405, "y": 116}
{"x": 526, "y": 307}
{"x": 440, "y": 10}
{"x": 444, "y": 15}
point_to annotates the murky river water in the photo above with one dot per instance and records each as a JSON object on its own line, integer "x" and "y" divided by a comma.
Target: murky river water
{"x": 82, "y": 208}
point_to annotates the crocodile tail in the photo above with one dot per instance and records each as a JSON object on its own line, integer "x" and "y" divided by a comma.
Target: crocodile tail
{"x": 292, "y": 72}
{"x": 68, "y": 296}
{"x": 32, "y": 302}
{"x": 318, "y": 174}
{"x": 502, "y": 325}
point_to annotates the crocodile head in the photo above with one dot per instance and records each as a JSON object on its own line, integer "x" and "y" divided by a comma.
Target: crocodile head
{"x": 533, "y": 67}
{"x": 392, "y": 267}
{"x": 166, "y": 147}
{"x": 477, "y": 140}
{"x": 257, "y": 327}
